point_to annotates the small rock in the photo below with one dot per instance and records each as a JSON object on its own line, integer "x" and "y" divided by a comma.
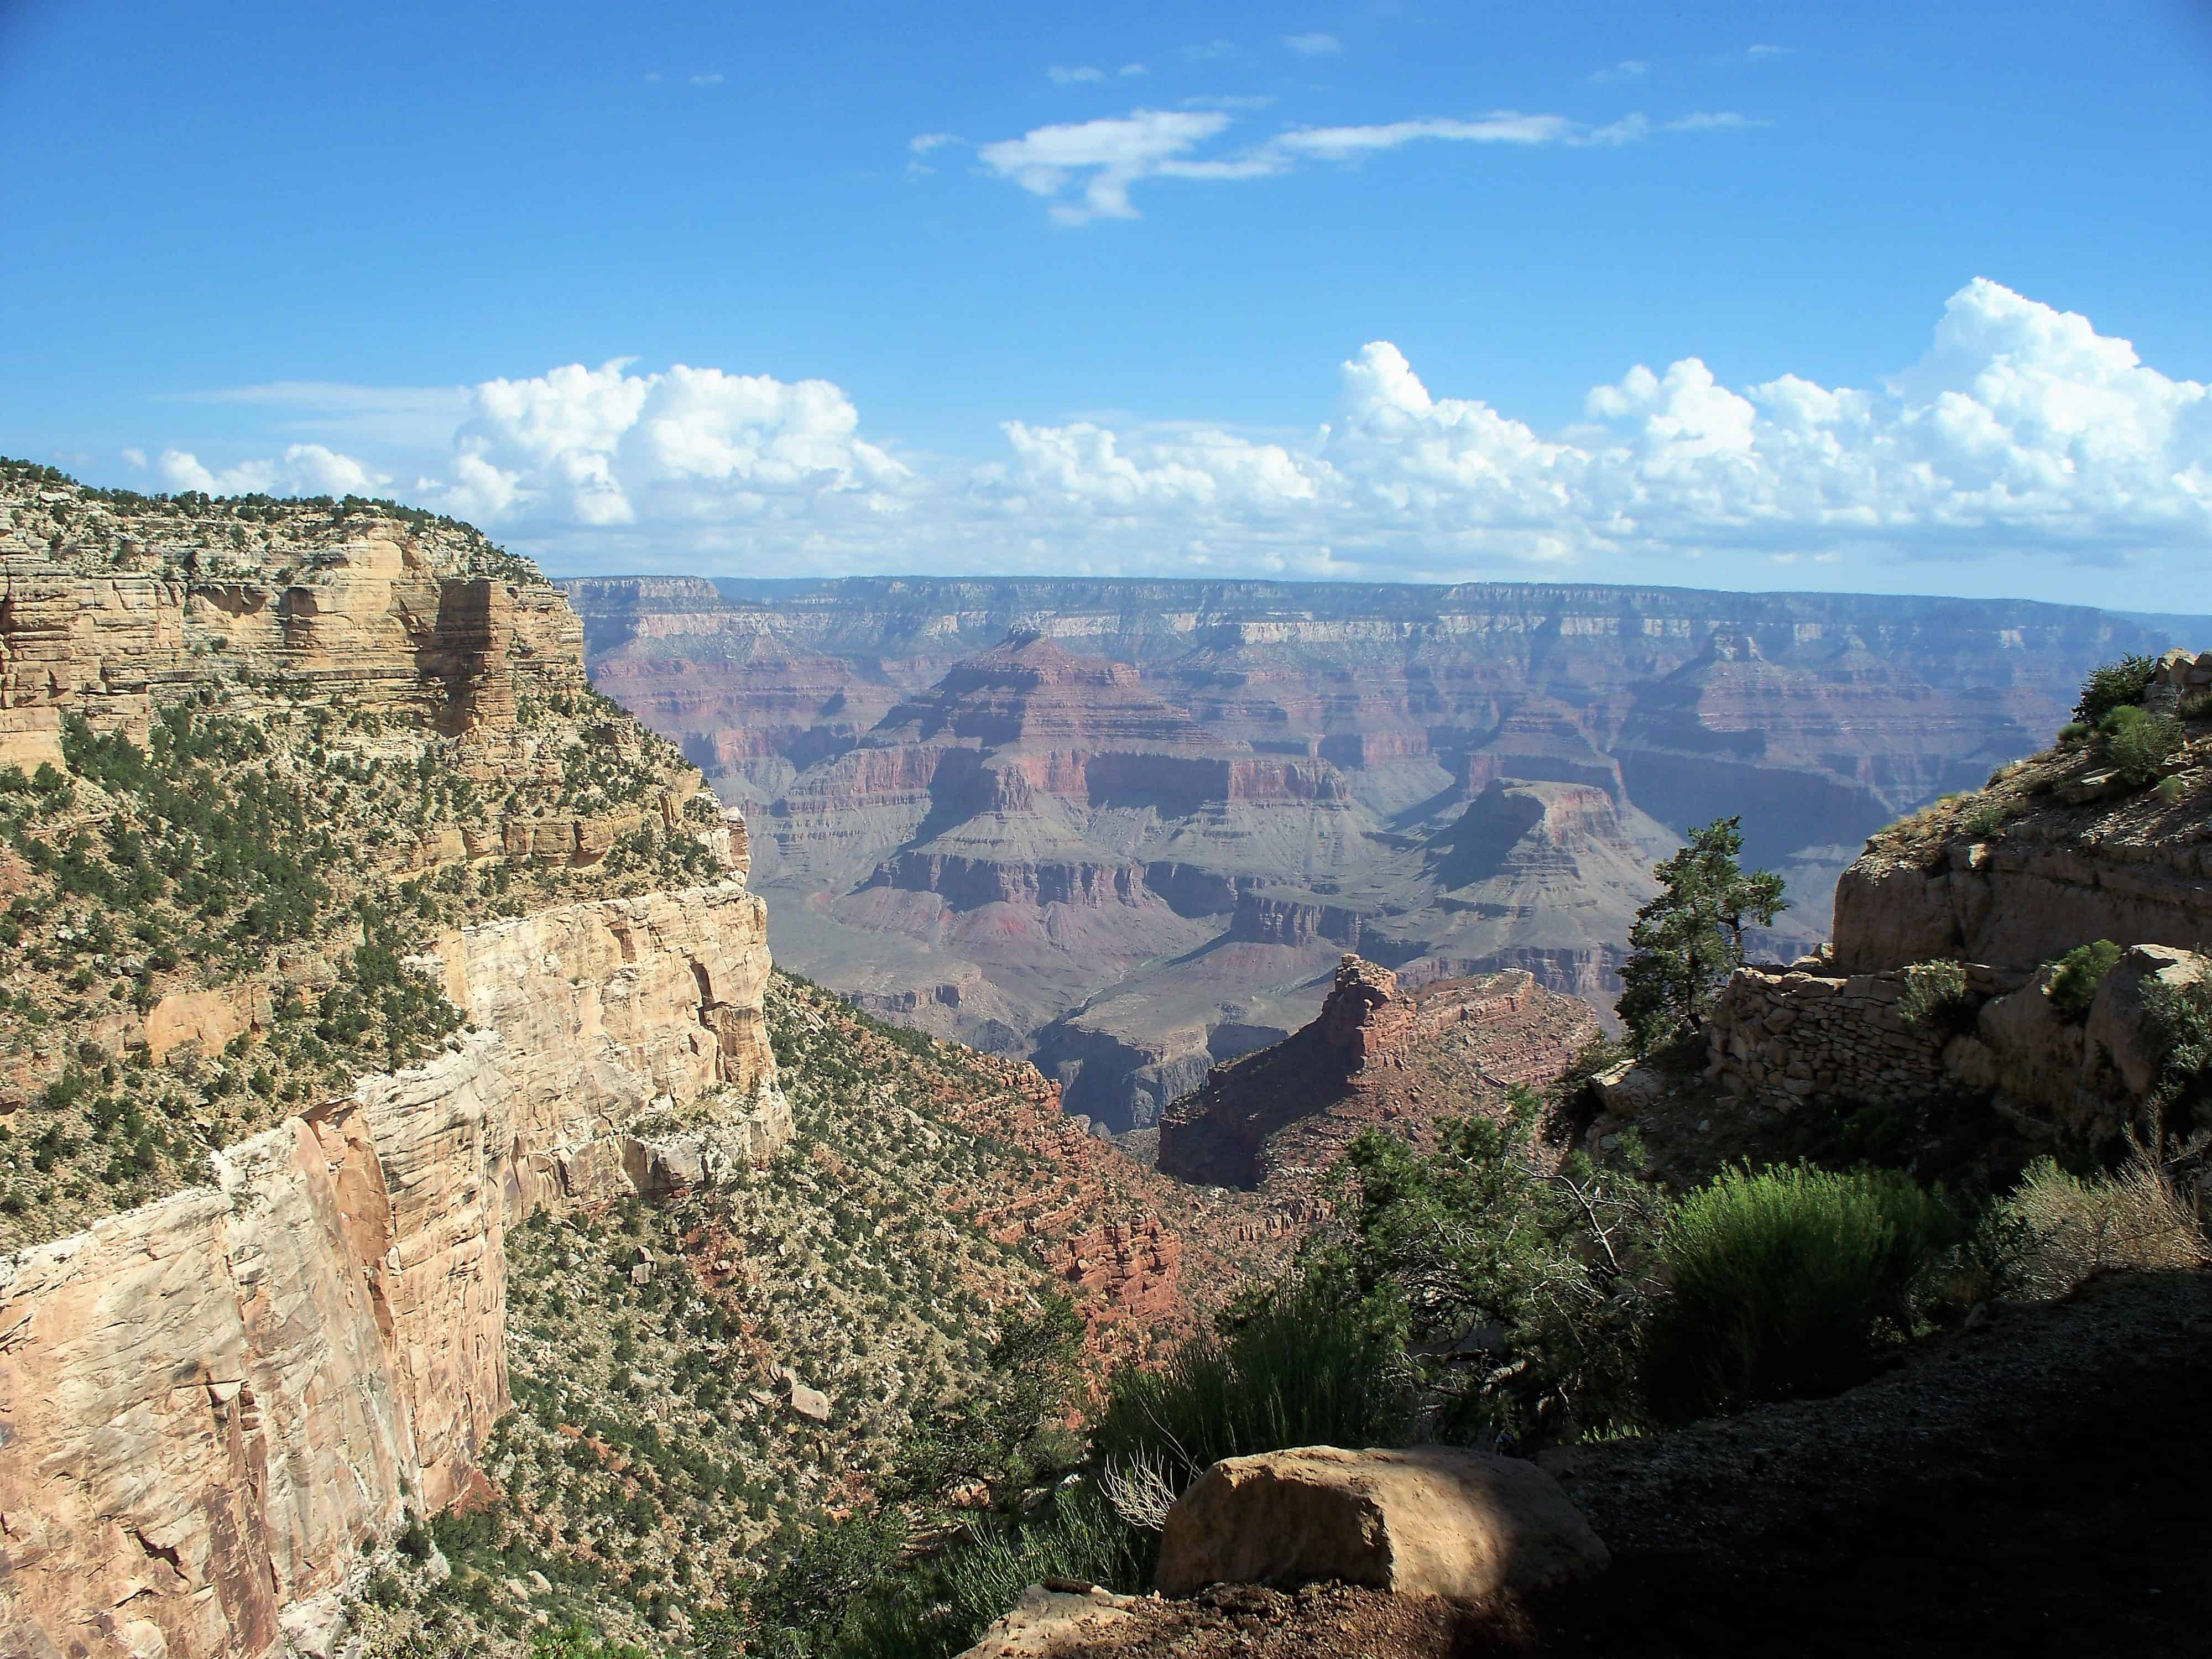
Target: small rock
{"x": 811, "y": 1404}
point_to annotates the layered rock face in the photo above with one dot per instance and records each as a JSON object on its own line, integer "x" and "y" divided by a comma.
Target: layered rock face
{"x": 214, "y": 1400}
{"x": 103, "y": 610}
{"x": 1377, "y": 1054}
{"x": 1125, "y": 828}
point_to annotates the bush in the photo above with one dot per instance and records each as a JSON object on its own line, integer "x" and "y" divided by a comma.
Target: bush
{"x": 1306, "y": 1363}
{"x": 2139, "y": 742}
{"x": 1984, "y": 819}
{"x": 1936, "y": 997}
{"x": 2180, "y": 1026}
{"x": 2115, "y": 685}
{"x": 2170, "y": 791}
{"x": 849, "y": 1593}
{"x": 2073, "y": 730}
{"x": 1783, "y": 1282}
{"x": 2079, "y": 1228}
{"x": 1518, "y": 1278}
{"x": 2079, "y": 972}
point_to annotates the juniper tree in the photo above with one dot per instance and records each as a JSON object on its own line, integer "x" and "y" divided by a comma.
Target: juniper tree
{"x": 1688, "y": 938}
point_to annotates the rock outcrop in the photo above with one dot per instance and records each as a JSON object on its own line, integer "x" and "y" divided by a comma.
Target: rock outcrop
{"x": 1432, "y": 1521}
{"x": 1377, "y": 1054}
{"x": 2056, "y": 852}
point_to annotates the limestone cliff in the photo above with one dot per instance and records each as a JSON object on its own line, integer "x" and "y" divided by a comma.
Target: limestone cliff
{"x": 210, "y": 1402}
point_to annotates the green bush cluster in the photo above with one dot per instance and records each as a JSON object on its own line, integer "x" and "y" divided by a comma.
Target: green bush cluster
{"x": 1781, "y": 1282}
{"x": 2077, "y": 976}
{"x": 1937, "y": 997}
{"x": 2114, "y": 685}
{"x": 2139, "y": 743}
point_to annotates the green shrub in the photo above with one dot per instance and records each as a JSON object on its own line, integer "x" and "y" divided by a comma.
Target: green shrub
{"x": 851, "y": 1591}
{"x": 1517, "y": 1278}
{"x": 1936, "y": 997}
{"x": 2180, "y": 1021}
{"x": 1784, "y": 1281}
{"x": 2079, "y": 972}
{"x": 2074, "y": 732}
{"x": 2114, "y": 686}
{"x": 2170, "y": 791}
{"x": 2139, "y": 742}
{"x": 1983, "y": 819}
{"x": 1307, "y": 1362}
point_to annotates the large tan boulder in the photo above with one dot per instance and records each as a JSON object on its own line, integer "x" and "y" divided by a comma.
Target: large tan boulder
{"x": 1432, "y": 1521}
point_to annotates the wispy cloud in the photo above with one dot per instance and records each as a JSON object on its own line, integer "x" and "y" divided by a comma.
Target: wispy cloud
{"x": 713, "y": 79}
{"x": 1765, "y": 52}
{"x": 922, "y": 144}
{"x": 1062, "y": 76}
{"x": 1128, "y": 69}
{"x": 1628, "y": 69}
{"x": 1085, "y": 170}
{"x": 1315, "y": 45}
{"x": 1209, "y": 50}
{"x": 1711, "y": 120}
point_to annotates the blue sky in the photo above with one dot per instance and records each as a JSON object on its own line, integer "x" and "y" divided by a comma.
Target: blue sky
{"x": 1898, "y": 298}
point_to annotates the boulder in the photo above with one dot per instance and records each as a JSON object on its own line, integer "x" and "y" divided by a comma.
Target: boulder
{"x": 1627, "y": 1090}
{"x": 2022, "y": 1050}
{"x": 1431, "y": 1520}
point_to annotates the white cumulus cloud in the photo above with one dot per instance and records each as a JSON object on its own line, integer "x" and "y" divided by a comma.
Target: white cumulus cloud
{"x": 2021, "y": 431}
{"x": 605, "y": 449}
{"x": 303, "y": 470}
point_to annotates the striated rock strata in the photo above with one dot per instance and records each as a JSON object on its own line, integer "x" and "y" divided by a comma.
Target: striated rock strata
{"x": 211, "y": 1401}
{"x": 1125, "y": 828}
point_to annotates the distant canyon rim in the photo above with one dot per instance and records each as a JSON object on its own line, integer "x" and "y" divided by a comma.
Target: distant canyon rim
{"x": 1126, "y": 827}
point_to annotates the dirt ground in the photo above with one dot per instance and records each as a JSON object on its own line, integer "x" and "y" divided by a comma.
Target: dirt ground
{"x": 2039, "y": 1485}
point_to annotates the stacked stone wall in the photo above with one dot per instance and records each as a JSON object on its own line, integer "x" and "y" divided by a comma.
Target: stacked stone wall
{"x": 1788, "y": 1035}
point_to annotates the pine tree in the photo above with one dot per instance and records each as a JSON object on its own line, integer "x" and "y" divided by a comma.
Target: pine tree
{"x": 1689, "y": 938}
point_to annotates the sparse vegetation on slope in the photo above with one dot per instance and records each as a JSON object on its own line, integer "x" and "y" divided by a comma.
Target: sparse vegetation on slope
{"x": 660, "y": 1473}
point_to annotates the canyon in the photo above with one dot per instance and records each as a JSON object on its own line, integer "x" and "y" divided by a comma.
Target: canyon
{"x": 1125, "y": 828}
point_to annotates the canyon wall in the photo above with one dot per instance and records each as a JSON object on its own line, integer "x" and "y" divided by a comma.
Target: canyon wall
{"x": 212, "y": 1401}
{"x": 1124, "y": 828}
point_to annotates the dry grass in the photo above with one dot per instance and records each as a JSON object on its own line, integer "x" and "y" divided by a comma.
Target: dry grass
{"x": 2079, "y": 1228}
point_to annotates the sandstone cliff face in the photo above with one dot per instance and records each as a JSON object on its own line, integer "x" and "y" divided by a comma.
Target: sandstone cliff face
{"x": 212, "y": 1400}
